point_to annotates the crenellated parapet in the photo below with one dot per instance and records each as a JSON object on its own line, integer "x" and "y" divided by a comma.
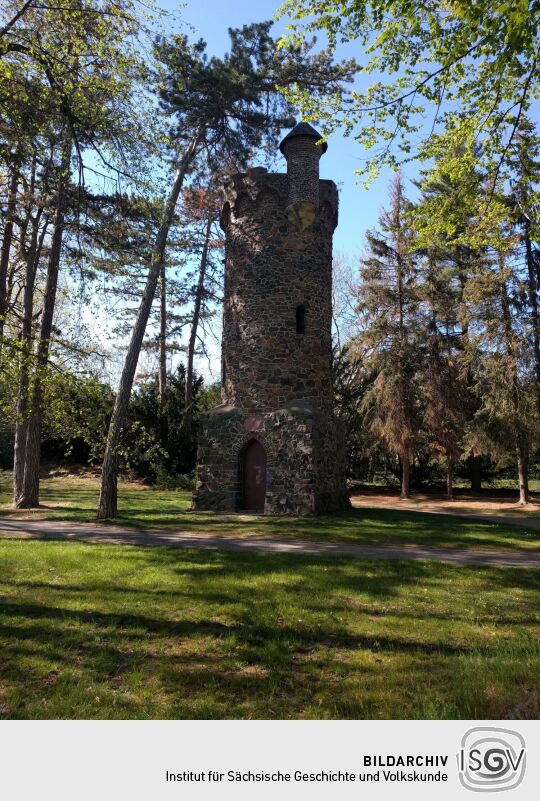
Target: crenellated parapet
{"x": 256, "y": 193}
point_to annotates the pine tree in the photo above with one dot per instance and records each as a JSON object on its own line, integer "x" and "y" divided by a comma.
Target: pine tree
{"x": 388, "y": 303}
{"x": 442, "y": 219}
{"x": 499, "y": 353}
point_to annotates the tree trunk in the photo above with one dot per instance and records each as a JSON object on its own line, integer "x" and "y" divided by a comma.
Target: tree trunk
{"x": 522, "y": 474}
{"x": 6, "y": 244}
{"x": 521, "y": 449}
{"x": 31, "y": 259}
{"x": 107, "y": 507}
{"x": 450, "y": 479}
{"x": 29, "y": 496}
{"x": 405, "y": 476}
{"x": 400, "y": 248}
{"x": 199, "y": 295}
{"x": 533, "y": 302}
{"x": 21, "y": 424}
{"x": 475, "y": 466}
{"x": 21, "y": 418}
{"x": 162, "y": 373}
{"x": 536, "y": 259}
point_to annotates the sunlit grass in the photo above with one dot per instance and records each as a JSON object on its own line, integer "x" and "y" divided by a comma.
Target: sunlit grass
{"x": 92, "y": 631}
{"x": 76, "y": 499}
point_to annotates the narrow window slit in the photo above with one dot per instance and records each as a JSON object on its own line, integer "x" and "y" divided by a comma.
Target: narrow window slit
{"x": 300, "y": 319}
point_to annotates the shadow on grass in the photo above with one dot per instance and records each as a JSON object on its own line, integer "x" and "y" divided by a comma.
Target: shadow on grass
{"x": 164, "y": 633}
{"x": 103, "y": 591}
{"x": 373, "y": 526}
{"x": 76, "y": 500}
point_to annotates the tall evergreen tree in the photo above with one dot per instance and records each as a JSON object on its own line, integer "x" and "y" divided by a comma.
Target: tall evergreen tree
{"x": 499, "y": 353}
{"x": 443, "y": 392}
{"x": 442, "y": 220}
{"x": 389, "y": 302}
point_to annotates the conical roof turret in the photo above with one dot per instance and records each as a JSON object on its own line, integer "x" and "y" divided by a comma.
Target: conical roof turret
{"x": 303, "y": 130}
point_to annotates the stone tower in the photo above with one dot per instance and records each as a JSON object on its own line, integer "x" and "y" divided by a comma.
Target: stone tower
{"x": 273, "y": 445}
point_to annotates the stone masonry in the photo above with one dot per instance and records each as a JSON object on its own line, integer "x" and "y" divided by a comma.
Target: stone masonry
{"x": 276, "y": 351}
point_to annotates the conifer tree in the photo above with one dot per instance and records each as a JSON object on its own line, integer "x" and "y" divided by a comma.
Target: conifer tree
{"x": 499, "y": 353}
{"x": 442, "y": 220}
{"x": 389, "y": 303}
{"x": 443, "y": 391}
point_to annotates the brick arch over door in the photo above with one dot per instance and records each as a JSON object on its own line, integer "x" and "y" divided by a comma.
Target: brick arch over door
{"x": 252, "y": 475}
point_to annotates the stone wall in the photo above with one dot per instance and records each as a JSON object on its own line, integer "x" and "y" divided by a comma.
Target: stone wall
{"x": 297, "y": 455}
{"x": 272, "y": 267}
{"x": 302, "y": 170}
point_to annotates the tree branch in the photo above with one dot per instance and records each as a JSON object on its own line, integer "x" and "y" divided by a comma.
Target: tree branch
{"x": 17, "y": 16}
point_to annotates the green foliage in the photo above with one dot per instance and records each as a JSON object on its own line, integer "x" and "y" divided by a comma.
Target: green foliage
{"x": 77, "y": 410}
{"x": 156, "y": 446}
{"x": 76, "y": 64}
{"x": 156, "y": 443}
{"x": 448, "y": 308}
{"x": 442, "y": 75}
{"x": 351, "y": 381}
{"x": 234, "y": 100}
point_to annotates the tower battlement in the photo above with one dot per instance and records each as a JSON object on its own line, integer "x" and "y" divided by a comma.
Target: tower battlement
{"x": 244, "y": 192}
{"x": 273, "y": 445}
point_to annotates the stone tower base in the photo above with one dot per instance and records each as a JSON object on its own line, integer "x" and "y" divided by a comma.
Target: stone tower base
{"x": 305, "y": 460}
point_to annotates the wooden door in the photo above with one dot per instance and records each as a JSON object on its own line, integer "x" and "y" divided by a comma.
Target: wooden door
{"x": 254, "y": 477}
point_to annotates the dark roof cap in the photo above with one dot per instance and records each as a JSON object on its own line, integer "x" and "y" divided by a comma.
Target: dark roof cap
{"x": 303, "y": 129}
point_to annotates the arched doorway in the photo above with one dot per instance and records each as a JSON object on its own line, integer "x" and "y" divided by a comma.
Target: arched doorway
{"x": 253, "y": 476}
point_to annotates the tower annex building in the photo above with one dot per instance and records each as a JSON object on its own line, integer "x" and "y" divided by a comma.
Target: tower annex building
{"x": 273, "y": 444}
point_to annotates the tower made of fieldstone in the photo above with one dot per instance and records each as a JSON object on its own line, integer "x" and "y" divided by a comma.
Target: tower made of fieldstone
{"x": 273, "y": 445}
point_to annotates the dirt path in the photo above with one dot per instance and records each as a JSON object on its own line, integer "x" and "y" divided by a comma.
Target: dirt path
{"x": 473, "y": 509}
{"x": 115, "y": 535}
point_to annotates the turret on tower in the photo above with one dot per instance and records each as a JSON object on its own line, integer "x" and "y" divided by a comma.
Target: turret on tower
{"x": 273, "y": 445}
{"x": 302, "y": 152}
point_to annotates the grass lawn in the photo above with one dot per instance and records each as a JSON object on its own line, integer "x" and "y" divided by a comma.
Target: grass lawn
{"x": 90, "y": 631}
{"x": 76, "y": 499}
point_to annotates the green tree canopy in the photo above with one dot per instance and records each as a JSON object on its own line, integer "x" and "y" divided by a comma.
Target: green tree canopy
{"x": 441, "y": 73}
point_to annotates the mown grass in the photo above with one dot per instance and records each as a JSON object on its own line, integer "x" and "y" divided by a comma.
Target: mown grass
{"x": 91, "y": 631}
{"x": 76, "y": 499}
